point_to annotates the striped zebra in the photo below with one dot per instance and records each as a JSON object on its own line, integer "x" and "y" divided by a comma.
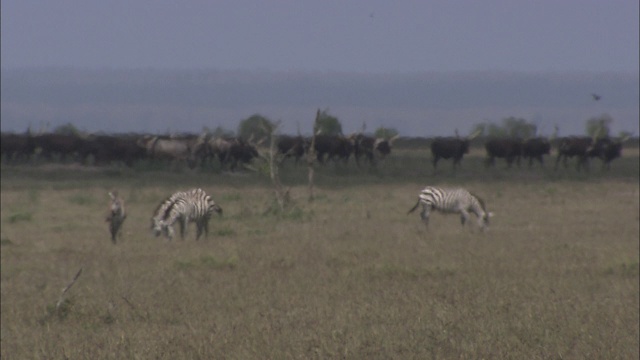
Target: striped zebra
{"x": 116, "y": 215}
{"x": 184, "y": 207}
{"x": 457, "y": 201}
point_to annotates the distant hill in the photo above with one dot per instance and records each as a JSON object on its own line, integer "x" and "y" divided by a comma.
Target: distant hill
{"x": 421, "y": 104}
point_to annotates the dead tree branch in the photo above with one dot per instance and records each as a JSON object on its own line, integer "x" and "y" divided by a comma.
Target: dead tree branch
{"x": 64, "y": 291}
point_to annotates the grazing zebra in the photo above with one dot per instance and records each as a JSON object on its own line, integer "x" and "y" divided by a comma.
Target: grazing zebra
{"x": 116, "y": 215}
{"x": 458, "y": 201}
{"x": 188, "y": 206}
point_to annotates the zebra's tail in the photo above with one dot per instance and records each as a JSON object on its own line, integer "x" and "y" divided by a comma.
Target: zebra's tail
{"x": 414, "y": 207}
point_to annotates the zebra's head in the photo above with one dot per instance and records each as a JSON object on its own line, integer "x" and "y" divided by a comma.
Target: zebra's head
{"x": 157, "y": 226}
{"x": 484, "y": 220}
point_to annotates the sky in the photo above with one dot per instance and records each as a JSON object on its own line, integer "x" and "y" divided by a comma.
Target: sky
{"x": 330, "y": 35}
{"x": 339, "y": 38}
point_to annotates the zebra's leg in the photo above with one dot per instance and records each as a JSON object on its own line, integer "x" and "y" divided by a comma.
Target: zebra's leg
{"x": 113, "y": 232}
{"x": 464, "y": 216}
{"x": 183, "y": 225}
{"x": 424, "y": 215}
{"x": 199, "y": 226}
{"x": 169, "y": 232}
{"x": 205, "y": 226}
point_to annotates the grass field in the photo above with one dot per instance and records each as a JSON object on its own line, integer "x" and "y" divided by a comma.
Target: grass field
{"x": 349, "y": 275}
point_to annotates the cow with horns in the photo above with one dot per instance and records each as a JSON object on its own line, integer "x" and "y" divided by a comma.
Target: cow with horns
{"x": 571, "y": 146}
{"x": 372, "y": 148}
{"x": 607, "y": 150}
{"x": 178, "y": 148}
{"x": 509, "y": 149}
{"x": 334, "y": 147}
{"x": 292, "y": 146}
{"x": 535, "y": 149}
{"x": 231, "y": 152}
{"x": 451, "y": 148}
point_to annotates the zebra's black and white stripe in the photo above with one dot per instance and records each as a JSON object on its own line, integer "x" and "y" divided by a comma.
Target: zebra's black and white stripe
{"x": 184, "y": 207}
{"x": 455, "y": 200}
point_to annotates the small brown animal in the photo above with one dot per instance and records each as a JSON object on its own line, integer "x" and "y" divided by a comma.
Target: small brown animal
{"x": 116, "y": 215}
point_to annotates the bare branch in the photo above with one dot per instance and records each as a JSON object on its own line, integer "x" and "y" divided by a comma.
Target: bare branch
{"x": 64, "y": 291}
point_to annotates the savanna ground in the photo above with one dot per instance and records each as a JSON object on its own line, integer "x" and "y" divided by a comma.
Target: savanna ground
{"x": 349, "y": 275}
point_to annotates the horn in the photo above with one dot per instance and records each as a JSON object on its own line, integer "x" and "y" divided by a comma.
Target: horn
{"x": 555, "y": 133}
{"x": 624, "y": 136}
{"x": 474, "y": 134}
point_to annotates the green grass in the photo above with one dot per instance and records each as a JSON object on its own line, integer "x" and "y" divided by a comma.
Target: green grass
{"x": 349, "y": 275}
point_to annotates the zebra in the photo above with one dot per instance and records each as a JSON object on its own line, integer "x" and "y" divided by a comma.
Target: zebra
{"x": 188, "y": 206}
{"x": 456, "y": 200}
{"x": 116, "y": 216}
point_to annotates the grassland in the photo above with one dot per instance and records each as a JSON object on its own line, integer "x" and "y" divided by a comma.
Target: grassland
{"x": 349, "y": 275}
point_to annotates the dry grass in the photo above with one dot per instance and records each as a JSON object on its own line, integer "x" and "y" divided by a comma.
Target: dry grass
{"x": 350, "y": 275}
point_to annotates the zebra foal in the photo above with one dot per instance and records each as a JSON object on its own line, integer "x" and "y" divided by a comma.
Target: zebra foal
{"x": 116, "y": 215}
{"x": 184, "y": 207}
{"x": 452, "y": 201}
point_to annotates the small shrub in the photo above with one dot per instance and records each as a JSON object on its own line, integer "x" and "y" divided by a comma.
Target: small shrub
{"x": 21, "y": 216}
{"x": 631, "y": 270}
{"x": 107, "y": 318}
{"x": 213, "y": 263}
{"x": 225, "y": 232}
{"x": 184, "y": 265}
{"x": 6, "y": 241}
{"x": 81, "y": 199}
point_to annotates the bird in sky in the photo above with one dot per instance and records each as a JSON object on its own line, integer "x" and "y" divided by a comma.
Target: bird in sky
{"x": 596, "y": 97}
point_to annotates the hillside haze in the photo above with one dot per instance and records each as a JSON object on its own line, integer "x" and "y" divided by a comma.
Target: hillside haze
{"x": 420, "y": 104}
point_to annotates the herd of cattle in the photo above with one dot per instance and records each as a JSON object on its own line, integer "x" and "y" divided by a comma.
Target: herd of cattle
{"x": 193, "y": 150}
{"x": 204, "y": 149}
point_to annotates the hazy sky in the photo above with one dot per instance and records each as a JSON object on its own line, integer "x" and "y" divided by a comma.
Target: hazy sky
{"x": 330, "y": 35}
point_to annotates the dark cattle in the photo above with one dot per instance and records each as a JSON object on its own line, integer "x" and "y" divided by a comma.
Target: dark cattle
{"x": 292, "y": 146}
{"x": 16, "y": 147}
{"x": 108, "y": 149}
{"x": 449, "y": 148}
{"x": 333, "y": 147}
{"x": 569, "y": 147}
{"x": 61, "y": 145}
{"x": 536, "y": 148}
{"x": 232, "y": 151}
{"x": 174, "y": 149}
{"x": 607, "y": 150}
{"x": 371, "y": 148}
{"x": 241, "y": 152}
{"x": 508, "y": 149}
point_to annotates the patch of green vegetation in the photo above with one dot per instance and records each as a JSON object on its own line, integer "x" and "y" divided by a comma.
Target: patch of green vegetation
{"x": 395, "y": 271}
{"x": 20, "y": 216}
{"x": 297, "y": 214}
{"x": 59, "y": 312}
{"x": 184, "y": 264}
{"x": 625, "y": 269}
{"x": 214, "y": 263}
{"x": 5, "y": 241}
{"x": 225, "y": 232}
{"x": 107, "y": 318}
{"x": 34, "y": 196}
{"x": 209, "y": 262}
{"x": 81, "y": 199}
